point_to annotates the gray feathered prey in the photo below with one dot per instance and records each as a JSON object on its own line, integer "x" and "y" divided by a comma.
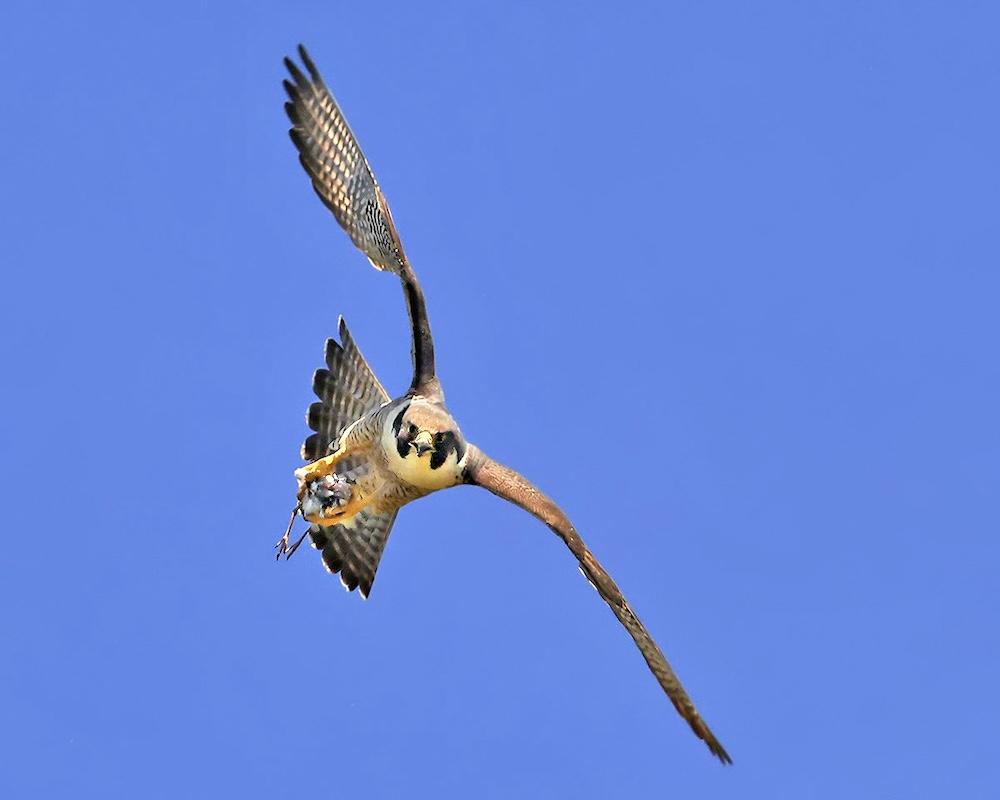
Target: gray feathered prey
{"x": 370, "y": 455}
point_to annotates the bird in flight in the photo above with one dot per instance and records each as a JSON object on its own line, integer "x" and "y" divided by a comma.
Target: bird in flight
{"x": 369, "y": 454}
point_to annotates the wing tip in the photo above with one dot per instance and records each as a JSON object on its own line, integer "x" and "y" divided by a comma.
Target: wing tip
{"x": 703, "y": 732}
{"x": 310, "y": 449}
{"x": 297, "y": 75}
{"x": 295, "y": 134}
{"x": 331, "y": 352}
{"x": 308, "y": 63}
{"x": 319, "y": 381}
{"x": 315, "y": 416}
{"x": 720, "y": 753}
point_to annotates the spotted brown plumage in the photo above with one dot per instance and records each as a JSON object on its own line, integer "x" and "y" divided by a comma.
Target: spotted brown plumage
{"x": 382, "y": 453}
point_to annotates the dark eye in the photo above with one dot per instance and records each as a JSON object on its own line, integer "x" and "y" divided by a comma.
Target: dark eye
{"x": 413, "y": 428}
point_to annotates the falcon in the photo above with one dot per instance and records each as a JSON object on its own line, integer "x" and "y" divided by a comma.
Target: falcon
{"x": 369, "y": 454}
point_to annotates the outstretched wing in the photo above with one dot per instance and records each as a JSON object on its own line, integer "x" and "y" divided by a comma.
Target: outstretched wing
{"x": 339, "y": 171}
{"x": 504, "y": 482}
{"x": 345, "y": 183}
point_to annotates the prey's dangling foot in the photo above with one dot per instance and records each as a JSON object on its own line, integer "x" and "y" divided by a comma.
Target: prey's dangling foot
{"x": 282, "y": 545}
{"x": 320, "y": 499}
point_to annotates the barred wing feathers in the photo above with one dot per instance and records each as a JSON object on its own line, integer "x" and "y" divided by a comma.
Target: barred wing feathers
{"x": 355, "y": 549}
{"x": 339, "y": 171}
{"x": 344, "y": 181}
{"x": 347, "y": 390}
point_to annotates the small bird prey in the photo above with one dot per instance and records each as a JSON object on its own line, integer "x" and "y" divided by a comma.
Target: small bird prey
{"x": 369, "y": 454}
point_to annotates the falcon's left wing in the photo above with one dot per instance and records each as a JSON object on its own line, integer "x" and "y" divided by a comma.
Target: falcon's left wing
{"x": 481, "y": 470}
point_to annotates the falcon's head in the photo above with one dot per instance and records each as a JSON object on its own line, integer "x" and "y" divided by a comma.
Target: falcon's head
{"x": 428, "y": 444}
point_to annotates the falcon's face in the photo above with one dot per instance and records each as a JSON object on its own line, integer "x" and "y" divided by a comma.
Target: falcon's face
{"x": 424, "y": 445}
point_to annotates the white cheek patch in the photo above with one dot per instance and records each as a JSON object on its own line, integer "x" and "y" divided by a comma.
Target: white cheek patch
{"x": 389, "y": 441}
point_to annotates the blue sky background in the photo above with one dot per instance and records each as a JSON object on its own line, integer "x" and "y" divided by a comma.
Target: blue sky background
{"x": 721, "y": 277}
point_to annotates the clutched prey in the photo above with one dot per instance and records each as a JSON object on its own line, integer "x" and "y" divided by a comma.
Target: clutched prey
{"x": 323, "y": 497}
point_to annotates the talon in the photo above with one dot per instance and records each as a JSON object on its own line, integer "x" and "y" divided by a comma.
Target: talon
{"x": 291, "y": 550}
{"x": 282, "y": 544}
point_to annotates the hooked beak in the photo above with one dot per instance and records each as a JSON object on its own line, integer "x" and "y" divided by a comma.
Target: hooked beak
{"x": 423, "y": 443}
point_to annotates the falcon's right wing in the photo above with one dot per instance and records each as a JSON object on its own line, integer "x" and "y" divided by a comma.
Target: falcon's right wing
{"x": 345, "y": 183}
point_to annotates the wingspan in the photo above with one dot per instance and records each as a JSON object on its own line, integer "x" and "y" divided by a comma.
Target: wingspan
{"x": 504, "y": 482}
{"x": 346, "y": 184}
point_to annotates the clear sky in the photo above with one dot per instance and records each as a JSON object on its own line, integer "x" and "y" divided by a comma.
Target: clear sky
{"x": 722, "y": 278}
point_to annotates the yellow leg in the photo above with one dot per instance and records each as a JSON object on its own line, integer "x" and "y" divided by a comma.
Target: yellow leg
{"x": 333, "y": 515}
{"x": 321, "y": 468}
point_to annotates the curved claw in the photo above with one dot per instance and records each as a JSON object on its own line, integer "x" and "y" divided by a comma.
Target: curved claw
{"x": 282, "y": 544}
